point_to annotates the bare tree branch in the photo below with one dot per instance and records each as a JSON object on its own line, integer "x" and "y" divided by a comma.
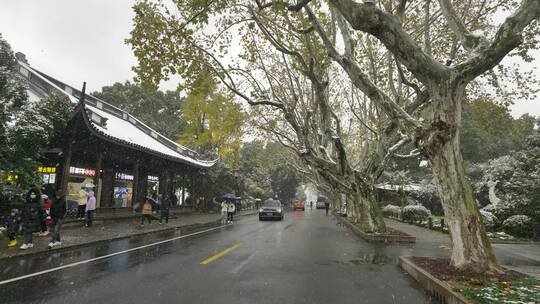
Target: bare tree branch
{"x": 469, "y": 41}
{"x": 361, "y": 80}
{"x": 507, "y": 38}
{"x": 367, "y": 17}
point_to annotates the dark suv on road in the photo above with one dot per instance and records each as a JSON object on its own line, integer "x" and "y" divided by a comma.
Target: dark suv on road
{"x": 271, "y": 209}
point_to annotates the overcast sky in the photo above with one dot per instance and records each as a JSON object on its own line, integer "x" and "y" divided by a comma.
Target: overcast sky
{"x": 76, "y": 41}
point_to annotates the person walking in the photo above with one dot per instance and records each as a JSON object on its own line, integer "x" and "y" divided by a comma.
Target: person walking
{"x": 326, "y": 207}
{"x": 90, "y": 208}
{"x": 146, "y": 212}
{"x": 11, "y": 225}
{"x": 32, "y": 215}
{"x": 231, "y": 208}
{"x": 174, "y": 199}
{"x": 224, "y": 213}
{"x": 81, "y": 204}
{"x": 47, "y": 221}
{"x": 58, "y": 212}
{"x": 165, "y": 207}
{"x": 311, "y": 205}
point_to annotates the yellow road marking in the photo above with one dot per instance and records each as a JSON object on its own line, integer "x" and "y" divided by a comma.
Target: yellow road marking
{"x": 217, "y": 256}
{"x": 271, "y": 226}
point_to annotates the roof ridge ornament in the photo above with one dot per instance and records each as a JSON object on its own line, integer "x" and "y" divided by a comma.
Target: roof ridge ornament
{"x": 83, "y": 93}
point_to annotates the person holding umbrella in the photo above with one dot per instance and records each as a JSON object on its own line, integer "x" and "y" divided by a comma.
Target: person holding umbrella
{"x": 90, "y": 204}
{"x": 229, "y": 204}
{"x": 231, "y": 208}
{"x": 224, "y": 212}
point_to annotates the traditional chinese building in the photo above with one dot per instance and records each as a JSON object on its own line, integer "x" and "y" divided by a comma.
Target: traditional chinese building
{"x": 105, "y": 146}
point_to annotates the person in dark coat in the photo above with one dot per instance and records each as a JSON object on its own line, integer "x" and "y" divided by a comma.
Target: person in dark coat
{"x": 32, "y": 216}
{"x": 165, "y": 207}
{"x": 57, "y": 213}
{"x": 174, "y": 199}
{"x": 47, "y": 203}
{"x": 326, "y": 207}
{"x": 11, "y": 224}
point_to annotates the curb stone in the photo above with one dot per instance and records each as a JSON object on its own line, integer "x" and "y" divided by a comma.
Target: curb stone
{"x": 378, "y": 238}
{"x": 439, "y": 290}
{"x": 96, "y": 242}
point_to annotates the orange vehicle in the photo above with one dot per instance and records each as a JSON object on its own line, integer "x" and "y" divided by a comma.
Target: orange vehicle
{"x": 298, "y": 205}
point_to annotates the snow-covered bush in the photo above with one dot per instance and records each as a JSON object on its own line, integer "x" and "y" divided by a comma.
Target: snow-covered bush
{"x": 489, "y": 219}
{"x": 391, "y": 211}
{"x": 415, "y": 213}
{"x": 517, "y": 178}
{"x": 427, "y": 196}
{"x": 500, "y": 236}
{"x": 518, "y": 225}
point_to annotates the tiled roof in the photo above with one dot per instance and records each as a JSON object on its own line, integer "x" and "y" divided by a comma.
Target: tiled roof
{"x": 111, "y": 122}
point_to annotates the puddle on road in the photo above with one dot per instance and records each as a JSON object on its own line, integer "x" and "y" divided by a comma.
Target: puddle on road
{"x": 372, "y": 259}
{"x": 367, "y": 259}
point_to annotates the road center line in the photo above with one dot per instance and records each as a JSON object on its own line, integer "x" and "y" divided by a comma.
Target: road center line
{"x": 105, "y": 256}
{"x": 217, "y": 256}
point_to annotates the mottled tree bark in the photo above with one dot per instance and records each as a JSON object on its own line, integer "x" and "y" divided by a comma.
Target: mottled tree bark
{"x": 365, "y": 209}
{"x": 471, "y": 247}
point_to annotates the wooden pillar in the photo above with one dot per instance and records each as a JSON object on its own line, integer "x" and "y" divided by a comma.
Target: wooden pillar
{"x": 183, "y": 188}
{"x": 66, "y": 164}
{"x": 107, "y": 188}
{"x": 170, "y": 182}
{"x": 164, "y": 182}
{"x": 97, "y": 177}
{"x": 140, "y": 184}
{"x": 136, "y": 184}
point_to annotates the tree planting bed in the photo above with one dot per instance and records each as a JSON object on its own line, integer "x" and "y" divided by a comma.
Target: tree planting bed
{"x": 449, "y": 285}
{"x": 393, "y": 236}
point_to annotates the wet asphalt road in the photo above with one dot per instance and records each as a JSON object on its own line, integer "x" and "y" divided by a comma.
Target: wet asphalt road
{"x": 306, "y": 258}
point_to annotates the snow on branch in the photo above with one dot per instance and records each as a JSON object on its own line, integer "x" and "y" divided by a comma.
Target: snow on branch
{"x": 413, "y": 153}
{"x": 387, "y": 28}
{"x": 360, "y": 79}
{"x": 469, "y": 40}
{"x": 507, "y": 38}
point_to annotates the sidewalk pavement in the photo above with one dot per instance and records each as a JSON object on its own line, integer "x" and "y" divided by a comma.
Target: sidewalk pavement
{"x": 115, "y": 214}
{"x": 520, "y": 257}
{"x": 75, "y": 235}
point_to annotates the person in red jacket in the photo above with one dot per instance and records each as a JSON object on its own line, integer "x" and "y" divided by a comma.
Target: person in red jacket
{"x": 46, "y": 222}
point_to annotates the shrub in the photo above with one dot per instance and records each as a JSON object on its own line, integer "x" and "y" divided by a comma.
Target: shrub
{"x": 415, "y": 213}
{"x": 518, "y": 225}
{"x": 427, "y": 196}
{"x": 489, "y": 219}
{"x": 391, "y": 211}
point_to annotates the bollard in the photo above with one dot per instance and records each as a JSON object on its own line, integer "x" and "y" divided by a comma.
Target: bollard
{"x": 442, "y": 224}
{"x": 536, "y": 232}
{"x": 430, "y": 223}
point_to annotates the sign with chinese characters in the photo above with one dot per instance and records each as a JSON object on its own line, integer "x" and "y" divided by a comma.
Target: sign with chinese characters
{"x": 82, "y": 171}
{"x": 153, "y": 178}
{"x": 123, "y": 176}
{"x": 46, "y": 169}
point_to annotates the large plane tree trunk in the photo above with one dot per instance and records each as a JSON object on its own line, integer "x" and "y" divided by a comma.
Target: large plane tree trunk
{"x": 471, "y": 247}
{"x": 366, "y": 209}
